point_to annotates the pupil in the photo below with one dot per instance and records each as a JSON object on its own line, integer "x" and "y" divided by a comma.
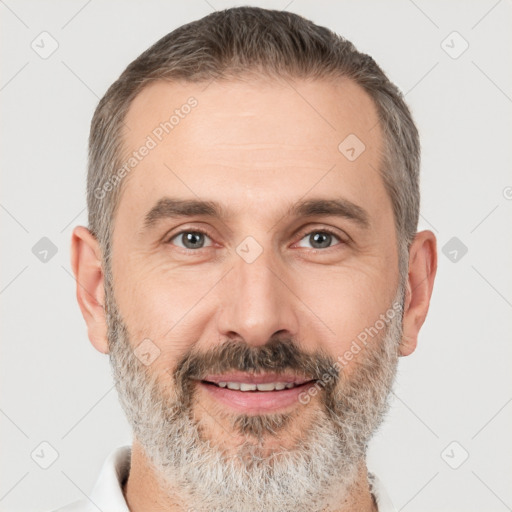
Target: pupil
{"x": 321, "y": 239}
{"x": 193, "y": 240}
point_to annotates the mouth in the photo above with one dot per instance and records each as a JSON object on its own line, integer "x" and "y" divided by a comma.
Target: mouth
{"x": 255, "y": 394}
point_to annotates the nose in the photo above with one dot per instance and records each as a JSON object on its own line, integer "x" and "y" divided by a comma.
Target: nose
{"x": 257, "y": 302}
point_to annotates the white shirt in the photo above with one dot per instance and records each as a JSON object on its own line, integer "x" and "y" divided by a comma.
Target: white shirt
{"x": 107, "y": 493}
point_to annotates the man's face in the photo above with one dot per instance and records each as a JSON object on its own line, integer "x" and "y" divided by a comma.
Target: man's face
{"x": 263, "y": 291}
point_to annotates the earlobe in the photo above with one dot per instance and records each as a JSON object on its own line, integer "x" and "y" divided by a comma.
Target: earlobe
{"x": 90, "y": 291}
{"x": 420, "y": 283}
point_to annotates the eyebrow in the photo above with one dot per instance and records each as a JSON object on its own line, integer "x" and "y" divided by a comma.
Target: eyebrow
{"x": 168, "y": 207}
{"x": 339, "y": 207}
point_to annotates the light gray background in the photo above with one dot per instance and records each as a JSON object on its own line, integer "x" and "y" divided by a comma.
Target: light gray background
{"x": 456, "y": 387}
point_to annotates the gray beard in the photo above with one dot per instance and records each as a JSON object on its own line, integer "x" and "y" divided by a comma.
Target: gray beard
{"x": 317, "y": 474}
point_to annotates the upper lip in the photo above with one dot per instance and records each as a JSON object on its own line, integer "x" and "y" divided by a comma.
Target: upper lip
{"x": 251, "y": 378}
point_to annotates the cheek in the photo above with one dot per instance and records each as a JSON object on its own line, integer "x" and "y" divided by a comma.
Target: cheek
{"x": 165, "y": 306}
{"x": 344, "y": 303}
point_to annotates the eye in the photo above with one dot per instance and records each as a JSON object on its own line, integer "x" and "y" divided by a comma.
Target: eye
{"x": 190, "y": 239}
{"x": 320, "y": 239}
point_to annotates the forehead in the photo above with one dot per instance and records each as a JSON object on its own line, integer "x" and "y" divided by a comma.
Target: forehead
{"x": 275, "y": 111}
{"x": 258, "y": 139}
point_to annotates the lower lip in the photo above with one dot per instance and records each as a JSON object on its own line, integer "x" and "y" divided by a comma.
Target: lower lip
{"x": 256, "y": 401}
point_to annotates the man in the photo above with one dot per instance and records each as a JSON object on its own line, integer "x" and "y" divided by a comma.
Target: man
{"x": 252, "y": 266}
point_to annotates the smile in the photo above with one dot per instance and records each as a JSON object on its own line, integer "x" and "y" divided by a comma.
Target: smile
{"x": 244, "y": 386}
{"x": 256, "y": 394}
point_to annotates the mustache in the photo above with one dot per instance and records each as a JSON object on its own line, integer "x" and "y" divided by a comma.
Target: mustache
{"x": 278, "y": 355}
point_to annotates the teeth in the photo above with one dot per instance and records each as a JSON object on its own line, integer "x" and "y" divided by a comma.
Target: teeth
{"x": 269, "y": 386}
{"x": 247, "y": 387}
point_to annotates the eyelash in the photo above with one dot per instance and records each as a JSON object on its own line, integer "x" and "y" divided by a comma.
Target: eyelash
{"x": 302, "y": 234}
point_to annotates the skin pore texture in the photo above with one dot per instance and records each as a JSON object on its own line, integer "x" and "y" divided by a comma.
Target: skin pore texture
{"x": 257, "y": 148}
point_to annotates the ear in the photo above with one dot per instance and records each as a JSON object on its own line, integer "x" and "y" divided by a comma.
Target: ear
{"x": 420, "y": 282}
{"x": 90, "y": 291}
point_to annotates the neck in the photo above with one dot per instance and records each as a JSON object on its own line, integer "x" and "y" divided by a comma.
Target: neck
{"x": 143, "y": 493}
